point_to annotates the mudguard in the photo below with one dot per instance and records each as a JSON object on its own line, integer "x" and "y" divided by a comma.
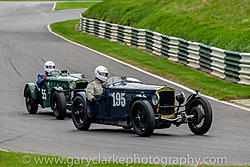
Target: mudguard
{"x": 141, "y": 96}
{"x": 33, "y": 89}
{"x": 137, "y": 97}
{"x": 190, "y": 99}
{"x": 83, "y": 95}
{"x": 58, "y": 88}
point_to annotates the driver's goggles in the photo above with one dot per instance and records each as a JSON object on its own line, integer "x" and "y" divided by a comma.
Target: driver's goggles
{"x": 50, "y": 67}
{"x": 103, "y": 74}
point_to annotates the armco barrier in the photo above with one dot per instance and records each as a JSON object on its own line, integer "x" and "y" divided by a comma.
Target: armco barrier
{"x": 228, "y": 65}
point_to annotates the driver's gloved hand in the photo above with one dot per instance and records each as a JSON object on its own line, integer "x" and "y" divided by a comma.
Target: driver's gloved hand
{"x": 93, "y": 100}
{"x": 98, "y": 98}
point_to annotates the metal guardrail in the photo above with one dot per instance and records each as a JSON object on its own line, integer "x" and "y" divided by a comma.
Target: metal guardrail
{"x": 228, "y": 65}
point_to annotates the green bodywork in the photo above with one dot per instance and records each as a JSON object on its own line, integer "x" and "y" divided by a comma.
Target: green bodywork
{"x": 59, "y": 83}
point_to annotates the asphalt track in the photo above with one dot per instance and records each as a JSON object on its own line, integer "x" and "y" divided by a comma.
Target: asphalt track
{"x": 25, "y": 43}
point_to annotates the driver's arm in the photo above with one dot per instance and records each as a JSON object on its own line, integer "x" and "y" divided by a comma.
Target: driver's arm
{"x": 90, "y": 92}
{"x": 40, "y": 80}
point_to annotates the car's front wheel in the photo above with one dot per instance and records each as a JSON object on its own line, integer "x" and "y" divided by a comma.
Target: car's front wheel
{"x": 31, "y": 103}
{"x": 59, "y": 105}
{"x": 202, "y": 111}
{"x": 142, "y": 118}
{"x": 79, "y": 114}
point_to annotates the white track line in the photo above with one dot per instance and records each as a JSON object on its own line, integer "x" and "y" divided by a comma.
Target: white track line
{"x": 4, "y": 150}
{"x": 148, "y": 73}
{"x": 54, "y": 6}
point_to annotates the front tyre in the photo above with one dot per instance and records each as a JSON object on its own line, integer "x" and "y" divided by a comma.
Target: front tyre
{"x": 59, "y": 105}
{"x": 202, "y": 111}
{"x": 79, "y": 114}
{"x": 142, "y": 118}
{"x": 31, "y": 103}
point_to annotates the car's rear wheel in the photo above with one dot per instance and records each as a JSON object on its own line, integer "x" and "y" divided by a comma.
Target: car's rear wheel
{"x": 142, "y": 118}
{"x": 202, "y": 111}
{"x": 31, "y": 103}
{"x": 79, "y": 114}
{"x": 59, "y": 105}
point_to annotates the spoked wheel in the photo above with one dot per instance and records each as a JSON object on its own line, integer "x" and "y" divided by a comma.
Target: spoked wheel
{"x": 79, "y": 114}
{"x": 202, "y": 120}
{"x": 31, "y": 103}
{"x": 59, "y": 105}
{"x": 142, "y": 118}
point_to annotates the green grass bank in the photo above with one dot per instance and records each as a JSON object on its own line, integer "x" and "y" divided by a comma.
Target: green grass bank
{"x": 184, "y": 75}
{"x": 73, "y": 5}
{"x": 221, "y": 23}
{"x": 48, "y": 0}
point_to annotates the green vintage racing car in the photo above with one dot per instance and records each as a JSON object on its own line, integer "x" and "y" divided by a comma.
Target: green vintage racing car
{"x": 57, "y": 91}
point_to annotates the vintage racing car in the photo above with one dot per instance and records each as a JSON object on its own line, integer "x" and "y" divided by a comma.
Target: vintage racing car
{"x": 129, "y": 103}
{"x": 57, "y": 91}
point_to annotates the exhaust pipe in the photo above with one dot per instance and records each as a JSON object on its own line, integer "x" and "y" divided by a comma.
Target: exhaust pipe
{"x": 183, "y": 115}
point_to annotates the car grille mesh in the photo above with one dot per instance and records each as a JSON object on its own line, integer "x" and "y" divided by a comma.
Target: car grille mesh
{"x": 167, "y": 99}
{"x": 81, "y": 85}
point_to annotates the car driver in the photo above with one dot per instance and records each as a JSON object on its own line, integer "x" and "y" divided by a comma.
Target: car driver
{"x": 94, "y": 88}
{"x": 49, "y": 66}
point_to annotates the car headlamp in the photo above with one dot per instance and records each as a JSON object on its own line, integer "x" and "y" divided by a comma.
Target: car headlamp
{"x": 155, "y": 99}
{"x": 72, "y": 85}
{"x": 180, "y": 97}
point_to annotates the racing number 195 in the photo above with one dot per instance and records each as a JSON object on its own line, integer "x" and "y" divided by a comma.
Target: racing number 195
{"x": 118, "y": 99}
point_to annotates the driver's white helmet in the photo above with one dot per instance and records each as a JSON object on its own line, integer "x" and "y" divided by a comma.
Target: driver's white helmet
{"x": 49, "y": 66}
{"x": 101, "y": 73}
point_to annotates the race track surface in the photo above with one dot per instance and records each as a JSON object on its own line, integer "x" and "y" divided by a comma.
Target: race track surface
{"x": 26, "y": 43}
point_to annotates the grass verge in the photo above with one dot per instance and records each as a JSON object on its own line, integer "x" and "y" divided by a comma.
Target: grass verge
{"x": 47, "y": 0}
{"x": 221, "y": 23}
{"x": 184, "y": 75}
{"x": 73, "y": 5}
{"x": 10, "y": 159}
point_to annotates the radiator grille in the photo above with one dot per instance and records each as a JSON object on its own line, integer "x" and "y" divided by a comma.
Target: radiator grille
{"x": 81, "y": 85}
{"x": 167, "y": 99}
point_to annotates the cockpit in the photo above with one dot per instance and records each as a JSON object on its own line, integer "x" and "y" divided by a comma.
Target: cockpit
{"x": 119, "y": 80}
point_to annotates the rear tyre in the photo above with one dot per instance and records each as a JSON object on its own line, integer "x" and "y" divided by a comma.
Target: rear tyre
{"x": 79, "y": 114}
{"x": 202, "y": 111}
{"x": 59, "y": 105}
{"x": 142, "y": 118}
{"x": 31, "y": 103}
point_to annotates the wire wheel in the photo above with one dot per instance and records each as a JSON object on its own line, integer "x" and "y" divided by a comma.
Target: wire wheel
{"x": 31, "y": 103}
{"x": 202, "y": 112}
{"x": 79, "y": 114}
{"x": 142, "y": 118}
{"x": 59, "y": 105}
